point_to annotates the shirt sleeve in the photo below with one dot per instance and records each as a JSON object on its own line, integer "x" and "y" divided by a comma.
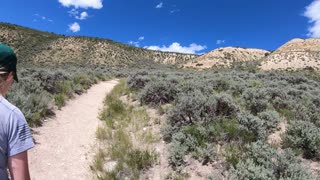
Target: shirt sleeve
{"x": 19, "y": 135}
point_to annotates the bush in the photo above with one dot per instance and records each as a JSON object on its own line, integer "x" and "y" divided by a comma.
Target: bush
{"x": 82, "y": 80}
{"x": 60, "y": 100}
{"x": 195, "y": 108}
{"x": 303, "y": 136}
{"x": 49, "y": 80}
{"x": 253, "y": 124}
{"x": 138, "y": 81}
{"x": 270, "y": 119}
{"x": 225, "y": 106}
{"x": 206, "y": 154}
{"x": 189, "y": 109}
{"x": 157, "y": 93}
{"x": 263, "y": 162}
{"x": 177, "y": 152}
{"x": 32, "y": 100}
{"x": 256, "y": 100}
{"x": 65, "y": 87}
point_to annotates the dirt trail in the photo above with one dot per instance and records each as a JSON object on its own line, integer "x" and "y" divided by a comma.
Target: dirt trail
{"x": 64, "y": 143}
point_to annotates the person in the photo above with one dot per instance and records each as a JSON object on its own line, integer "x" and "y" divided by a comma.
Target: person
{"x": 15, "y": 135}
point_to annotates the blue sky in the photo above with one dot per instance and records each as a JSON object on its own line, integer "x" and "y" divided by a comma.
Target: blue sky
{"x": 186, "y": 26}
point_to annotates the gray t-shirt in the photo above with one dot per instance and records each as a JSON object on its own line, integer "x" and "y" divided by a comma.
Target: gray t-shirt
{"x": 15, "y": 135}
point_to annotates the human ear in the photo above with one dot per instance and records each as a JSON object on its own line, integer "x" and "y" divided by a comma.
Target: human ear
{"x": 10, "y": 76}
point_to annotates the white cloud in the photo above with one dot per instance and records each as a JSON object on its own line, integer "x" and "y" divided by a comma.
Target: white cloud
{"x": 39, "y": 17}
{"x": 176, "y": 47}
{"x": 220, "y": 42}
{"x": 160, "y": 5}
{"x": 84, "y": 15}
{"x": 75, "y": 27}
{"x": 174, "y": 11}
{"x": 73, "y": 12}
{"x": 137, "y": 43}
{"x": 95, "y": 4}
{"x": 313, "y": 13}
{"x": 141, "y": 38}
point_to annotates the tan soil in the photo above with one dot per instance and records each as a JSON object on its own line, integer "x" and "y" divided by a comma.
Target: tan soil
{"x": 295, "y": 54}
{"x": 275, "y": 138}
{"x": 161, "y": 169}
{"x": 64, "y": 148}
{"x": 224, "y": 57}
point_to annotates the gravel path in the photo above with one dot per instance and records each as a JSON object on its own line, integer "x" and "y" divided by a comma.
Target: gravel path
{"x": 64, "y": 148}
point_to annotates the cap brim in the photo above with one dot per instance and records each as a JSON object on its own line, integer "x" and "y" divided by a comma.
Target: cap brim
{"x": 15, "y": 77}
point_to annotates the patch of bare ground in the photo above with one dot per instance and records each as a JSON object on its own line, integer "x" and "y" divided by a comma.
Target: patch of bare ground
{"x": 198, "y": 170}
{"x": 275, "y": 139}
{"x": 313, "y": 166}
{"x": 161, "y": 168}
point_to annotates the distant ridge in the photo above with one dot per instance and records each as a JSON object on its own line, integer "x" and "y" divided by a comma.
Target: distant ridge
{"x": 295, "y": 54}
{"x": 224, "y": 57}
{"x": 46, "y": 48}
{"x": 34, "y": 46}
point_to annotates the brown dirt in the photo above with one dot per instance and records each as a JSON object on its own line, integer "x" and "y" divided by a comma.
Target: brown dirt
{"x": 64, "y": 144}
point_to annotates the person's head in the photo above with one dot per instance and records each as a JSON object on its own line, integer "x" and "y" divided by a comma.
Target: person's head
{"x": 8, "y": 68}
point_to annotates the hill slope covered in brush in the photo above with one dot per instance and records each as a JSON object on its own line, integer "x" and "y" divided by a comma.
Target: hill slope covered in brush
{"x": 42, "y": 47}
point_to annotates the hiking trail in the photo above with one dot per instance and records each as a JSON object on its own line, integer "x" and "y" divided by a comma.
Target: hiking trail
{"x": 65, "y": 144}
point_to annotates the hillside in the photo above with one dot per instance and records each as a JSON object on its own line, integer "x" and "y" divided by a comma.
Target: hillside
{"x": 42, "y": 47}
{"x": 226, "y": 56}
{"x": 296, "y": 54}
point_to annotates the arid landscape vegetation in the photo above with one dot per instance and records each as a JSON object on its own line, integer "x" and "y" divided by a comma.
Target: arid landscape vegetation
{"x": 232, "y": 113}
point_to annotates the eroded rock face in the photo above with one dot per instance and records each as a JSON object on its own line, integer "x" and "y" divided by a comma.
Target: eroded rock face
{"x": 296, "y": 54}
{"x": 226, "y": 56}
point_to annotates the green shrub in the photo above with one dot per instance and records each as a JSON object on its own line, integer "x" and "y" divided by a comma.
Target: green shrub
{"x": 263, "y": 162}
{"x": 256, "y": 100}
{"x": 138, "y": 81}
{"x": 253, "y": 124}
{"x": 304, "y": 136}
{"x": 140, "y": 160}
{"x": 60, "y": 100}
{"x": 270, "y": 120}
{"x": 189, "y": 109}
{"x": 195, "y": 108}
{"x": 157, "y": 93}
{"x": 84, "y": 80}
{"x": 65, "y": 87}
{"x": 206, "y": 154}
{"x": 177, "y": 153}
{"x": 225, "y": 106}
{"x": 32, "y": 100}
{"x": 232, "y": 154}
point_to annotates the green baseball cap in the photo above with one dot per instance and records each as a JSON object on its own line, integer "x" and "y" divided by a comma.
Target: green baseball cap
{"x": 8, "y": 60}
